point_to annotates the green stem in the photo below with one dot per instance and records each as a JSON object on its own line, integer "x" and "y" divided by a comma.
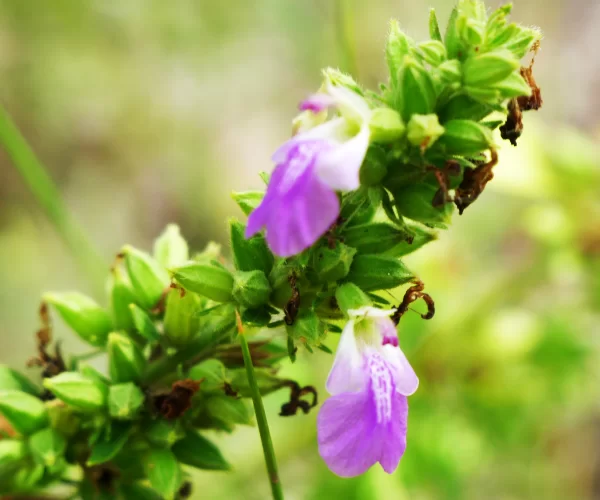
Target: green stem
{"x": 263, "y": 425}
{"x": 47, "y": 195}
{"x": 345, "y": 34}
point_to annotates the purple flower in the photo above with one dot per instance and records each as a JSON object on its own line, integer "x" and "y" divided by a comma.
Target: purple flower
{"x": 301, "y": 201}
{"x": 365, "y": 420}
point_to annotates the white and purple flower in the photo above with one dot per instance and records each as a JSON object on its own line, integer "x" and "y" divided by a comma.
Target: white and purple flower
{"x": 301, "y": 202}
{"x": 365, "y": 420}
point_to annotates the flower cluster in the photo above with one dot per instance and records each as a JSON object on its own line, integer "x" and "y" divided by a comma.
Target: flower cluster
{"x": 367, "y": 178}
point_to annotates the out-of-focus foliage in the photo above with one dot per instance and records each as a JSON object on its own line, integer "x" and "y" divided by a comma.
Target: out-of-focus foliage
{"x": 150, "y": 113}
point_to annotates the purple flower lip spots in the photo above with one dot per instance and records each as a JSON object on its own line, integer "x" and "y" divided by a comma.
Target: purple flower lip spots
{"x": 317, "y": 103}
{"x": 365, "y": 420}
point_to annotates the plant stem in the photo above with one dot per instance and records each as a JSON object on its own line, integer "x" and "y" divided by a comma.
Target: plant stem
{"x": 345, "y": 34}
{"x": 47, "y": 195}
{"x": 261, "y": 419}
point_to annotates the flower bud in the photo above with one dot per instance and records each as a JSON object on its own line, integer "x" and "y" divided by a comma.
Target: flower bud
{"x": 332, "y": 264}
{"x": 90, "y": 372}
{"x": 25, "y": 413}
{"x": 307, "y": 328}
{"x": 91, "y": 322}
{"x": 398, "y": 46}
{"x": 450, "y": 71}
{"x": 78, "y": 391}
{"x": 378, "y": 272}
{"x": 248, "y": 200}
{"x": 163, "y": 432}
{"x": 212, "y": 373}
{"x": 13, "y": 453}
{"x": 164, "y": 472}
{"x": 11, "y": 379}
{"x": 249, "y": 254}
{"x": 374, "y": 237}
{"x": 63, "y": 418}
{"x": 125, "y": 359}
{"x": 230, "y": 410}
{"x": 433, "y": 52}
{"x": 434, "y": 27}
{"x": 490, "y": 68}
{"x": 513, "y": 86}
{"x": 465, "y": 137}
{"x": 452, "y": 39}
{"x": 520, "y": 44}
{"x": 143, "y": 323}
{"x": 386, "y": 125}
{"x": 349, "y": 297}
{"x": 251, "y": 288}
{"x": 470, "y": 30}
{"x": 415, "y": 202}
{"x": 418, "y": 92}
{"x": 464, "y": 107}
{"x": 47, "y": 446}
{"x": 215, "y": 324}
{"x": 148, "y": 277}
{"x": 170, "y": 248}
{"x": 209, "y": 279}
{"x": 424, "y": 130}
{"x": 121, "y": 297}
{"x": 181, "y": 317}
{"x": 125, "y": 401}
{"x": 197, "y": 451}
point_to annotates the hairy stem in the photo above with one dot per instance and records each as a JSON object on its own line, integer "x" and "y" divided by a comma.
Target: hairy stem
{"x": 261, "y": 419}
{"x": 47, "y": 195}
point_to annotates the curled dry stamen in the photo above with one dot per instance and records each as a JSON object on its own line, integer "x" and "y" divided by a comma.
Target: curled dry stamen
{"x": 411, "y": 295}
{"x": 296, "y": 392}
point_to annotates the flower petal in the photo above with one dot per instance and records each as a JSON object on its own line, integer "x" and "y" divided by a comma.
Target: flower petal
{"x": 349, "y": 102}
{"x": 405, "y": 378}
{"x": 317, "y": 103}
{"x": 339, "y": 167}
{"x": 347, "y": 373}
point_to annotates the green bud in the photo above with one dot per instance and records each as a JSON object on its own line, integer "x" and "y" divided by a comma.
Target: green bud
{"x": 181, "y": 317}
{"x": 450, "y": 71}
{"x": 452, "y": 39}
{"x": 170, "y": 248}
{"x": 251, "y": 288}
{"x": 164, "y": 472}
{"x": 433, "y": 52}
{"x": 63, "y": 418}
{"x": 13, "y": 452}
{"x": 211, "y": 280}
{"x": 90, "y": 372}
{"x": 212, "y": 373}
{"x": 341, "y": 79}
{"x": 91, "y": 322}
{"x": 465, "y": 137}
{"x": 520, "y": 44}
{"x": 307, "y": 328}
{"x": 163, "y": 433}
{"x": 249, "y": 254}
{"x": 418, "y": 91}
{"x": 143, "y": 323}
{"x": 375, "y": 237}
{"x": 332, "y": 264}
{"x": 78, "y": 391}
{"x": 211, "y": 252}
{"x": 148, "y": 277}
{"x": 513, "y": 86}
{"x": 397, "y": 47}
{"x": 197, "y": 451}
{"x": 486, "y": 95}
{"x": 27, "y": 477}
{"x": 230, "y": 410}
{"x": 349, "y": 296}
{"x": 248, "y": 200}
{"x": 121, "y": 296}
{"x": 11, "y": 379}
{"x": 470, "y": 30}
{"x": 214, "y": 325}
{"x": 111, "y": 442}
{"x": 463, "y": 107}
{"x": 360, "y": 206}
{"x": 125, "y": 401}
{"x": 434, "y": 27}
{"x": 378, "y": 272}
{"x": 415, "y": 202}
{"x": 489, "y": 68}
{"x": 266, "y": 381}
{"x": 424, "y": 130}
{"x": 420, "y": 237}
{"x": 47, "y": 446}
{"x": 374, "y": 167}
{"x": 25, "y": 413}
{"x": 386, "y": 125}
{"x": 125, "y": 359}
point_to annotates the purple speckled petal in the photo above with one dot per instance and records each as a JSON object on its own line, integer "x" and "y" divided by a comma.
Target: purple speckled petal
{"x": 358, "y": 429}
{"x": 317, "y": 103}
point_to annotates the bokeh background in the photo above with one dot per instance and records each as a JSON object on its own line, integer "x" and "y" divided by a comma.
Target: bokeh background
{"x": 149, "y": 112}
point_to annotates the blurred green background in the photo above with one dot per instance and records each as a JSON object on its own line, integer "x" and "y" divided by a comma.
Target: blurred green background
{"x": 148, "y": 112}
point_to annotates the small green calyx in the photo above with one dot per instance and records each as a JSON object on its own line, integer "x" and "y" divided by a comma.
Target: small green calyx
{"x": 350, "y": 297}
{"x": 47, "y": 446}
{"x": 125, "y": 401}
{"x": 78, "y": 391}
{"x": 149, "y": 279}
{"x": 386, "y": 125}
{"x": 251, "y": 288}
{"x": 25, "y": 413}
{"x": 170, "y": 248}
{"x": 332, "y": 264}
{"x": 126, "y": 361}
{"x": 205, "y": 278}
{"x": 424, "y": 130}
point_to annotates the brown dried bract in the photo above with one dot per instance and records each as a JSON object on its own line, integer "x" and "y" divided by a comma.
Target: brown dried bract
{"x": 474, "y": 182}
{"x": 175, "y": 403}
{"x": 296, "y": 392}
{"x": 442, "y": 175}
{"x": 513, "y": 127}
{"x": 411, "y": 295}
{"x": 293, "y": 305}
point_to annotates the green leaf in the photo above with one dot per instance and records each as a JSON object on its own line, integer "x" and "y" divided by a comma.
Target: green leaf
{"x": 230, "y": 410}
{"x": 267, "y": 382}
{"x": 332, "y": 264}
{"x": 212, "y": 373}
{"x": 307, "y": 328}
{"x": 143, "y": 323}
{"x": 378, "y": 272}
{"x": 434, "y": 27}
{"x": 78, "y": 391}
{"x": 125, "y": 401}
{"x": 463, "y": 107}
{"x": 248, "y": 200}
{"x": 451, "y": 38}
{"x": 139, "y": 492}
{"x": 110, "y": 444}
{"x": 513, "y": 86}
{"x": 351, "y": 297}
{"x": 487, "y": 69}
{"x": 374, "y": 238}
{"x": 360, "y": 206}
{"x": 91, "y": 322}
{"x": 47, "y": 446}
{"x": 433, "y": 52}
{"x": 415, "y": 202}
{"x": 163, "y": 432}
{"x": 197, "y": 451}
{"x": 13, "y": 453}
{"x": 170, "y": 248}
{"x": 11, "y": 379}
{"x": 25, "y": 413}
{"x": 251, "y": 288}
{"x": 148, "y": 277}
{"x": 249, "y": 254}
{"x": 164, "y": 472}
{"x": 125, "y": 359}
{"x": 465, "y": 138}
{"x": 420, "y": 237}
{"x": 208, "y": 279}
{"x": 417, "y": 88}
